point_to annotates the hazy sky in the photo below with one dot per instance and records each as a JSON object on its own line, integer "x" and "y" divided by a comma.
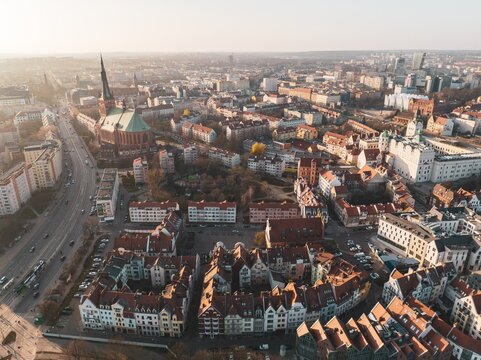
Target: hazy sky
{"x": 66, "y": 26}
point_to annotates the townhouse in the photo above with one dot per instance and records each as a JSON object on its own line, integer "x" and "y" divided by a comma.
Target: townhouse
{"x": 309, "y": 169}
{"x": 363, "y": 215}
{"x": 228, "y": 308}
{"x": 402, "y": 329}
{"x": 466, "y": 314}
{"x": 425, "y": 284}
{"x": 226, "y": 157}
{"x": 310, "y": 202}
{"x": 111, "y": 305}
{"x": 443, "y": 197}
{"x": 327, "y": 180}
{"x": 260, "y": 212}
{"x": 212, "y": 212}
{"x": 273, "y": 166}
{"x": 151, "y": 211}
{"x": 440, "y": 125}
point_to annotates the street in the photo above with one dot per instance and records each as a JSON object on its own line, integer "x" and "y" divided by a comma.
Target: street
{"x": 62, "y": 222}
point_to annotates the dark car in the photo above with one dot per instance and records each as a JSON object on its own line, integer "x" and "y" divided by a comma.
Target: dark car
{"x": 71, "y": 243}
{"x": 63, "y": 258}
{"x": 36, "y": 294}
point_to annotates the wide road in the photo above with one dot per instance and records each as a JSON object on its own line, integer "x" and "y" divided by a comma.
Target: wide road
{"x": 62, "y": 222}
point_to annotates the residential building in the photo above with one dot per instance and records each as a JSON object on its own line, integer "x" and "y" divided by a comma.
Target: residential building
{"x": 212, "y": 212}
{"x": 107, "y": 194}
{"x": 191, "y": 154}
{"x": 327, "y": 180}
{"x": 108, "y": 307}
{"x": 273, "y": 166}
{"x": 466, "y": 314}
{"x": 269, "y": 84}
{"x": 284, "y": 133}
{"x": 306, "y": 132}
{"x": 260, "y": 212}
{"x": 17, "y": 185}
{"x": 141, "y": 171}
{"x": 425, "y": 106}
{"x": 309, "y": 169}
{"x": 311, "y": 203}
{"x": 247, "y": 129}
{"x": 46, "y": 159}
{"x": 293, "y": 232}
{"x": 362, "y": 215}
{"x": 151, "y": 211}
{"x": 425, "y": 284}
{"x": 48, "y": 118}
{"x": 369, "y": 157}
{"x": 443, "y": 197}
{"x": 27, "y": 116}
{"x": 440, "y": 125}
{"x": 226, "y": 157}
{"x": 166, "y": 161}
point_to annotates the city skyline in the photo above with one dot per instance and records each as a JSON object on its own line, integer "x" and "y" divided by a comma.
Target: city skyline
{"x": 216, "y": 27}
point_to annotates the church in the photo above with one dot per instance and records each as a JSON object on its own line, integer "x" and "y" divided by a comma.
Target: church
{"x": 121, "y": 132}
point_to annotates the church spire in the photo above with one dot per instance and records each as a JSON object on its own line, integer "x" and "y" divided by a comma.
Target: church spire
{"x": 106, "y": 93}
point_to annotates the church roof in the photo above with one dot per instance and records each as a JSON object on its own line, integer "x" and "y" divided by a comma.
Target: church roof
{"x": 124, "y": 120}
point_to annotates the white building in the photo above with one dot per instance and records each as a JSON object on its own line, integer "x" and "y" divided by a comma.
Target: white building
{"x": 191, "y": 154}
{"x": 327, "y": 181}
{"x": 411, "y": 159}
{"x": 48, "y": 163}
{"x": 269, "y": 84}
{"x": 212, "y": 212}
{"x": 166, "y": 161}
{"x": 27, "y": 116}
{"x": 228, "y": 158}
{"x": 141, "y": 168}
{"x": 273, "y": 166}
{"x": 401, "y": 101}
{"x": 466, "y": 314}
{"x": 48, "y": 118}
{"x": 16, "y": 187}
{"x": 107, "y": 195}
{"x": 151, "y": 211}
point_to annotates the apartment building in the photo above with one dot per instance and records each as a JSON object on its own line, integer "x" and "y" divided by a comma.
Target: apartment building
{"x": 225, "y": 311}
{"x": 273, "y": 166}
{"x": 110, "y": 307}
{"x": 160, "y": 240}
{"x": 212, "y": 212}
{"x": 440, "y": 125}
{"x": 27, "y": 116}
{"x": 191, "y": 154}
{"x": 284, "y": 133}
{"x": 443, "y": 197}
{"x": 198, "y": 132}
{"x": 260, "y": 212}
{"x": 226, "y": 157}
{"x": 167, "y": 161}
{"x": 425, "y": 284}
{"x": 247, "y": 129}
{"x": 443, "y": 235}
{"x": 17, "y": 185}
{"x": 306, "y": 132}
{"x": 309, "y": 169}
{"x": 310, "y": 202}
{"x": 141, "y": 171}
{"x": 106, "y": 200}
{"x": 151, "y": 211}
{"x": 327, "y": 181}
{"x": 294, "y": 232}
{"x": 466, "y": 314}
{"x": 47, "y": 162}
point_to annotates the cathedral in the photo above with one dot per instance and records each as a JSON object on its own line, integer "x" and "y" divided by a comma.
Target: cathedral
{"x": 121, "y": 132}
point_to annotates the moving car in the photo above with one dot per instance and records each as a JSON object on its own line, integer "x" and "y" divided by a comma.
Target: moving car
{"x": 32, "y": 249}
{"x": 3, "y": 280}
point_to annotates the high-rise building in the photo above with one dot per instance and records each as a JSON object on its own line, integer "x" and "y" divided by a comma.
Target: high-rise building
{"x": 399, "y": 65}
{"x": 418, "y": 60}
{"x": 269, "y": 84}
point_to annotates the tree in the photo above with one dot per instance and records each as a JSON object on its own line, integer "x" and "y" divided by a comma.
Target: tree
{"x": 260, "y": 238}
{"x": 258, "y": 148}
{"x": 49, "y": 309}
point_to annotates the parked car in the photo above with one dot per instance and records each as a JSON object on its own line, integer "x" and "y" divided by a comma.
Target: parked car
{"x": 32, "y": 249}
{"x": 71, "y": 243}
{"x": 62, "y": 258}
{"x": 264, "y": 347}
{"x": 3, "y": 280}
{"x": 36, "y": 294}
{"x": 374, "y": 276}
